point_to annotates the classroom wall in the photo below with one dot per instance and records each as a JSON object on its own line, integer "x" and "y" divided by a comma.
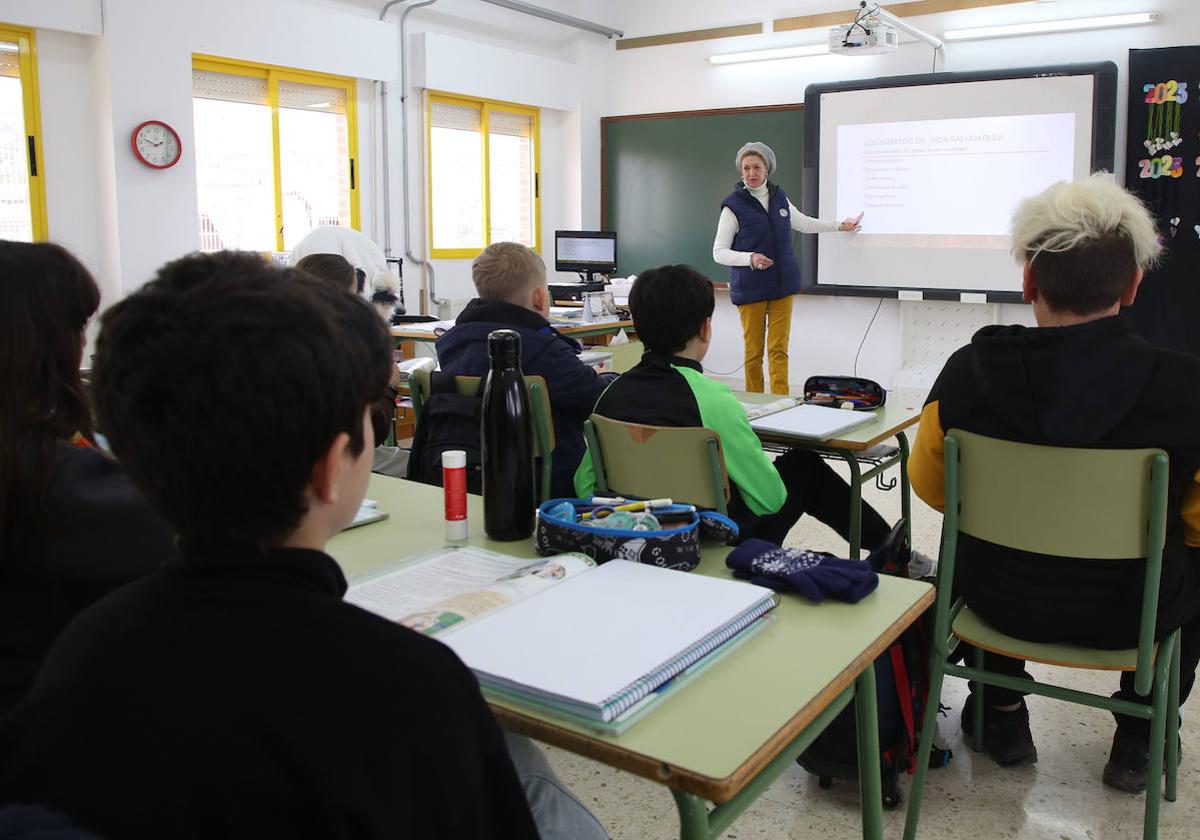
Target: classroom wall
{"x": 107, "y": 65}
{"x": 826, "y": 331}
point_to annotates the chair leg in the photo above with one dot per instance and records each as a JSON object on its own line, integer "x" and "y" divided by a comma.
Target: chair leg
{"x": 1173, "y": 724}
{"x": 977, "y": 691}
{"x": 1158, "y": 732}
{"x": 924, "y": 748}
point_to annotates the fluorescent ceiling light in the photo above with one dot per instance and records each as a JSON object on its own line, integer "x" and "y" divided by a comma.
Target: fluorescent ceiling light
{"x": 770, "y": 55}
{"x": 1043, "y": 26}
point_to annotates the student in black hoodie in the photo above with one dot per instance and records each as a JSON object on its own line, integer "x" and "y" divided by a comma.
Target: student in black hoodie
{"x": 513, "y": 295}
{"x": 234, "y": 693}
{"x": 1078, "y": 379}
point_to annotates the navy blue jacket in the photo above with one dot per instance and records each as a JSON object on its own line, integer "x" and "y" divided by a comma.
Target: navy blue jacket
{"x": 769, "y": 232}
{"x": 545, "y": 352}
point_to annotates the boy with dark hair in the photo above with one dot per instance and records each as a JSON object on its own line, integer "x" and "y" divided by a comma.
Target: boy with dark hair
{"x": 1079, "y": 379}
{"x": 511, "y": 282}
{"x": 233, "y": 693}
{"x": 672, "y": 310}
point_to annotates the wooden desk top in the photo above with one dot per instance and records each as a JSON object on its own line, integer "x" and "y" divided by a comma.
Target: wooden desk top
{"x": 902, "y": 410}
{"x": 715, "y": 734}
{"x": 410, "y": 332}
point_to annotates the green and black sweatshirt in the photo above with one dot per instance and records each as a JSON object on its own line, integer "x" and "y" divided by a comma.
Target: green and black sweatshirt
{"x": 1092, "y": 385}
{"x": 673, "y": 391}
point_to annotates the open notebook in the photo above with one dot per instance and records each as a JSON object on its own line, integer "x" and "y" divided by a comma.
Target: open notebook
{"x": 593, "y": 644}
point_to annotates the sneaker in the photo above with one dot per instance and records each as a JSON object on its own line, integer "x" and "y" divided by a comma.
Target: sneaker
{"x": 1006, "y": 735}
{"x": 1129, "y": 761}
{"x": 921, "y": 565}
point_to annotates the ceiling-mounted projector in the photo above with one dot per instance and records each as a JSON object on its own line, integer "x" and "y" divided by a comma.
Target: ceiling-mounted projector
{"x": 869, "y": 36}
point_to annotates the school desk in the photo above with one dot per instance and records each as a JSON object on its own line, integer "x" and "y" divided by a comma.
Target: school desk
{"x": 731, "y": 731}
{"x": 901, "y": 410}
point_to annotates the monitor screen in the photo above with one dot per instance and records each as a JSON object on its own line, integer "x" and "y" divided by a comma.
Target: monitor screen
{"x": 584, "y": 250}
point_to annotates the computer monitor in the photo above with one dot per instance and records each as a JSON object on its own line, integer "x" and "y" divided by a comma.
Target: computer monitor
{"x": 588, "y": 252}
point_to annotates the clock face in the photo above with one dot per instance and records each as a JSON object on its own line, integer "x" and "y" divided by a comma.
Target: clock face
{"x": 156, "y": 144}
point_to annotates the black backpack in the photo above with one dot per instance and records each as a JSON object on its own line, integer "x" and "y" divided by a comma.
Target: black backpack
{"x": 448, "y": 420}
{"x": 902, "y": 688}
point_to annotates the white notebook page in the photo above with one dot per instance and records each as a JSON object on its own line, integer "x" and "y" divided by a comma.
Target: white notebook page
{"x": 812, "y": 421}
{"x": 591, "y": 636}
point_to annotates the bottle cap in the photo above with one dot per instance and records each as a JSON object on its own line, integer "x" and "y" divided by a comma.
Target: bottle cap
{"x": 453, "y": 459}
{"x": 504, "y": 346}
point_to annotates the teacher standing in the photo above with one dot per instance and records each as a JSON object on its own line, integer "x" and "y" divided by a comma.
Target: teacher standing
{"x": 754, "y": 238}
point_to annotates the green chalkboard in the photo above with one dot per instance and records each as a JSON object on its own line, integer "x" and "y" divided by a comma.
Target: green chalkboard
{"x": 664, "y": 176}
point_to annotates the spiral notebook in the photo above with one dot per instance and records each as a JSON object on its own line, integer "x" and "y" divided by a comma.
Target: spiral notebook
{"x": 596, "y": 645}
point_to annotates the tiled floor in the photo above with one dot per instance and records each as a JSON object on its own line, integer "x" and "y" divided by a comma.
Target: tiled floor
{"x": 1060, "y": 798}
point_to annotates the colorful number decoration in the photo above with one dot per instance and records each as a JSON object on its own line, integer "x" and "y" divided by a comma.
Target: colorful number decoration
{"x": 1164, "y": 117}
{"x": 1162, "y": 167}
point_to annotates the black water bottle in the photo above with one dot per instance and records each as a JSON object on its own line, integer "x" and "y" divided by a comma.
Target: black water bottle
{"x": 509, "y": 494}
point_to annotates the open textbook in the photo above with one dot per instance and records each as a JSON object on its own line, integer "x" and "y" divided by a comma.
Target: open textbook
{"x": 596, "y": 645}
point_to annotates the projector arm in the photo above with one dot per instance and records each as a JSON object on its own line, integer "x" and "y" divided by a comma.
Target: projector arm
{"x": 870, "y": 8}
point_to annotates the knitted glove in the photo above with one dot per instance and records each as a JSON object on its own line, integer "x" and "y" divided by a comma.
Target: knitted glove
{"x": 814, "y": 575}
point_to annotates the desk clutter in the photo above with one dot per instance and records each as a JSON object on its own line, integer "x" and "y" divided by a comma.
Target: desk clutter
{"x": 657, "y": 533}
{"x": 496, "y": 612}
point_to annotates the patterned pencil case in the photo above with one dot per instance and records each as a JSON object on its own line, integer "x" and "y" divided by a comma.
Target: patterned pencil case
{"x": 674, "y": 547}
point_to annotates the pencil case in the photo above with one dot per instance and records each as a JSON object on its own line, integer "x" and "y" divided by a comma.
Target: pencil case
{"x": 861, "y": 393}
{"x": 676, "y": 547}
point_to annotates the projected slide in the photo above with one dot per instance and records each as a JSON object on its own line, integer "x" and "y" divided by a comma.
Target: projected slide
{"x": 938, "y": 164}
{"x": 926, "y": 177}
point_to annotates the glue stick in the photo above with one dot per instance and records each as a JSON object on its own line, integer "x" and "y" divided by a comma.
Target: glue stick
{"x": 454, "y": 484}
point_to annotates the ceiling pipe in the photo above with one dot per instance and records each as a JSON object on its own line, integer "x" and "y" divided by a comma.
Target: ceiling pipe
{"x": 404, "y": 187}
{"x": 558, "y": 17}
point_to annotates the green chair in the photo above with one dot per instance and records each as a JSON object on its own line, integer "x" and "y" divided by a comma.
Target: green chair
{"x": 625, "y": 356}
{"x": 539, "y": 404}
{"x": 684, "y": 464}
{"x": 1091, "y": 503}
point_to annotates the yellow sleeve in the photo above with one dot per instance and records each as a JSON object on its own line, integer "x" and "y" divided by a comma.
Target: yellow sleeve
{"x": 926, "y": 464}
{"x": 1190, "y": 513}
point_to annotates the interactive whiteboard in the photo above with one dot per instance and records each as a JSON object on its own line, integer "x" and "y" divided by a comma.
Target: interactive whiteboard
{"x": 937, "y": 164}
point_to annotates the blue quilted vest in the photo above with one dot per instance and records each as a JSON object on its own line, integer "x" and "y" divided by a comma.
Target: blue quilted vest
{"x": 769, "y": 232}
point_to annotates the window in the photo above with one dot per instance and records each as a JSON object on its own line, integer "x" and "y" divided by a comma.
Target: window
{"x": 22, "y": 192}
{"x": 483, "y": 175}
{"x": 276, "y": 153}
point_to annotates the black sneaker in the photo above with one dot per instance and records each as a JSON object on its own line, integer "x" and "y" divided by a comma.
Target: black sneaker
{"x": 1006, "y": 735}
{"x": 1128, "y": 762}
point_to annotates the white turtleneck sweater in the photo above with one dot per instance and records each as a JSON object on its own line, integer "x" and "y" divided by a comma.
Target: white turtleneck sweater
{"x": 727, "y": 227}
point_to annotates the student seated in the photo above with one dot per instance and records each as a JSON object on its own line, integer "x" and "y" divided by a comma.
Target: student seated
{"x": 233, "y": 693}
{"x": 672, "y": 309}
{"x": 72, "y": 527}
{"x": 335, "y": 270}
{"x": 513, "y": 295}
{"x": 1078, "y": 379}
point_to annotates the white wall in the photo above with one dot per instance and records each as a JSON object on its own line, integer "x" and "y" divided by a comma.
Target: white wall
{"x": 827, "y": 331}
{"x": 107, "y": 65}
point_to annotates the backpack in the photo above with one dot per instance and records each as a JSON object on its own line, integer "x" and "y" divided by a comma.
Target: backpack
{"x": 902, "y": 689}
{"x": 448, "y": 420}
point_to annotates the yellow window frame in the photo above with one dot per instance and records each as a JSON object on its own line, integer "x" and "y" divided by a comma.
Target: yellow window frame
{"x": 275, "y": 74}
{"x": 486, "y": 106}
{"x": 36, "y": 164}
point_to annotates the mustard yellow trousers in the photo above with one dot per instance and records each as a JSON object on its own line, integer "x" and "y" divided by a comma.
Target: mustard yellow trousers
{"x": 770, "y": 320}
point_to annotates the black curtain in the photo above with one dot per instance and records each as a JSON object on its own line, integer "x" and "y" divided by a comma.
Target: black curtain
{"x": 1162, "y": 165}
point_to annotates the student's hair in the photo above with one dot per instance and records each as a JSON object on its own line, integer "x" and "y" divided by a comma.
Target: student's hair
{"x": 46, "y": 299}
{"x": 1083, "y": 242}
{"x": 333, "y": 269}
{"x": 669, "y": 305}
{"x": 223, "y": 380}
{"x": 506, "y": 270}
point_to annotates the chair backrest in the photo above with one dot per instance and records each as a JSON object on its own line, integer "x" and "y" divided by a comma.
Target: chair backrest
{"x": 1093, "y": 503}
{"x": 685, "y": 464}
{"x": 539, "y": 404}
{"x": 1100, "y": 504}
